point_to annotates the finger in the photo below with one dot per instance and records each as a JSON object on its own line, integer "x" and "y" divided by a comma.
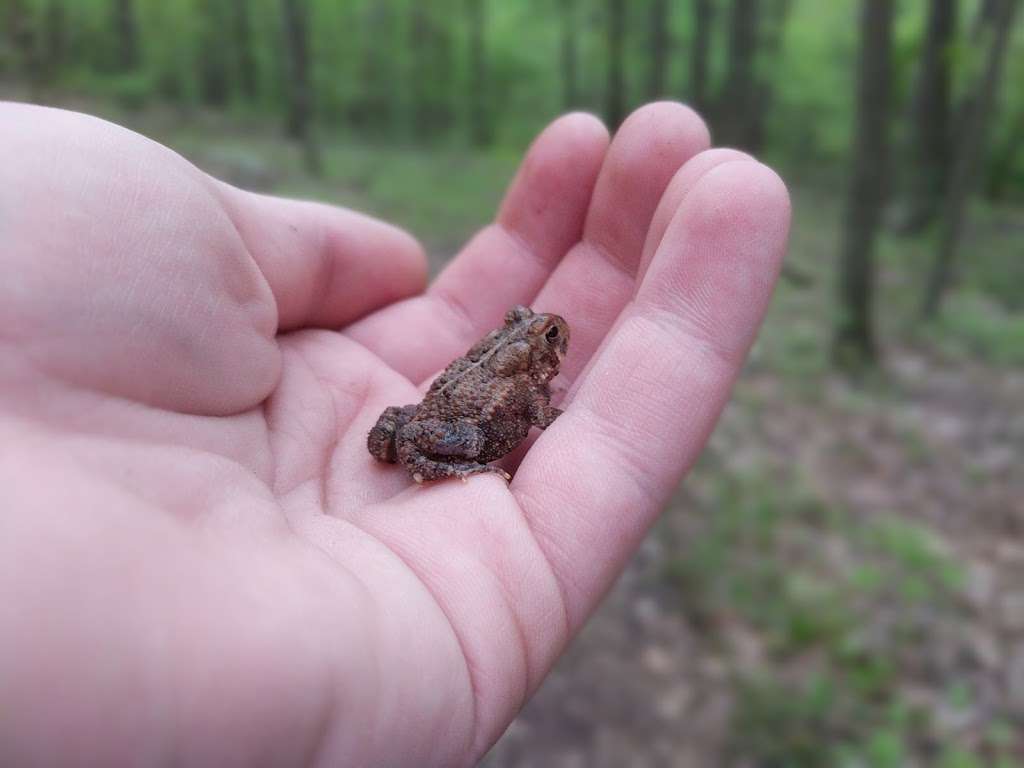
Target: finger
{"x": 597, "y": 278}
{"x": 326, "y": 266}
{"x": 593, "y": 483}
{"x": 679, "y": 187}
{"x": 684, "y": 180}
{"x": 506, "y": 263}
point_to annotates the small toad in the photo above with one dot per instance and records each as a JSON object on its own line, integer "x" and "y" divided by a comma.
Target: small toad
{"x": 482, "y": 405}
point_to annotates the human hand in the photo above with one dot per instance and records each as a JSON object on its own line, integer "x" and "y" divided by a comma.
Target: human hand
{"x": 200, "y": 563}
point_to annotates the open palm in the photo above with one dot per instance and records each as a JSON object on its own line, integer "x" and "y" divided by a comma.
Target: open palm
{"x": 200, "y": 563}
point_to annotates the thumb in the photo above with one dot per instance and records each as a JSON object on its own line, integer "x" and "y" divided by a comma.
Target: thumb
{"x": 326, "y": 266}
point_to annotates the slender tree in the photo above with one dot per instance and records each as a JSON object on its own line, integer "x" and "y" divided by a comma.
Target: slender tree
{"x": 1003, "y": 158}
{"x": 372, "y": 109}
{"x": 854, "y": 343}
{"x": 741, "y": 95}
{"x": 22, "y": 36}
{"x": 983, "y": 18}
{"x": 126, "y": 31}
{"x": 442, "y": 53}
{"x": 970, "y": 142}
{"x": 776, "y": 14}
{"x": 420, "y": 29}
{"x": 978, "y": 37}
{"x": 212, "y": 57}
{"x": 245, "y": 59}
{"x": 659, "y": 45}
{"x": 299, "y": 92}
{"x": 55, "y": 34}
{"x": 930, "y": 147}
{"x": 700, "y": 48}
{"x": 431, "y": 59}
{"x": 569, "y": 47}
{"x": 479, "y": 115}
{"x": 615, "y": 93}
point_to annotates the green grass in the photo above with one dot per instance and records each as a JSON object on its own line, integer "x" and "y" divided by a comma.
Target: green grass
{"x": 974, "y": 326}
{"x": 443, "y": 196}
{"x": 991, "y": 262}
{"x": 834, "y": 621}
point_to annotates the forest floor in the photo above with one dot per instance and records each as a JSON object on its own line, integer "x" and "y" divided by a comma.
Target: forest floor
{"x": 840, "y": 581}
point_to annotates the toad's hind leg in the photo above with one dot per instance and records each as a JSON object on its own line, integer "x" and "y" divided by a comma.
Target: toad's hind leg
{"x": 458, "y": 439}
{"x": 381, "y": 440}
{"x": 432, "y": 450}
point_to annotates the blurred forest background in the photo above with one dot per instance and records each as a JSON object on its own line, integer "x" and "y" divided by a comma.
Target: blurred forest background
{"x": 841, "y": 579}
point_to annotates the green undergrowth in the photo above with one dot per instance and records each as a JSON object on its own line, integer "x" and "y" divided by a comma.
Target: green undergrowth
{"x": 974, "y": 326}
{"x": 841, "y": 608}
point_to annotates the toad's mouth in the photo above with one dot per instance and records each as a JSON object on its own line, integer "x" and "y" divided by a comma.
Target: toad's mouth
{"x": 562, "y": 351}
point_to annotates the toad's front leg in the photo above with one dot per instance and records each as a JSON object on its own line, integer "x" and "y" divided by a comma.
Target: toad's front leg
{"x": 432, "y": 449}
{"x": 543, "y": 415}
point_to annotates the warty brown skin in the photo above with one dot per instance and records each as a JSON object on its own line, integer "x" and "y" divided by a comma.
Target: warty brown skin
{"x": 483, "y": 404}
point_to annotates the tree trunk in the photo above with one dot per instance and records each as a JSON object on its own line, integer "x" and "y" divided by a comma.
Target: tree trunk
{"x": 700, "y": 47}
{"x": 372, "y": 111}
{"x": 299, "y": 93}
{"x": 659, "y": 44}
{"x": 23, "y": 38}
{"x": 854, "y": 343}
{"x": 1003, "y": 159}
{"x": 431, "y": 59}
{"x": 56, "y": 36}
{"x": 212, "y": 55}
{"x": 983, "y": 19}
{"x": 739, "y": 108}
{"x": 479, "y": 116}
{"x": 420, "y": 44}
{"x": 570, "y": 86}
{"x": 776, "y": 15}
{"x": 615, "y": 96}
{"x": 930, "y": 119}
{"x": 443, "y": 67}
{"x": 245, "y": 60}
{"x": 775, "y": 26}
{"x": 966, "y": 155}
{"x": 126, "y": 29}
{"x": 980, "y": 31}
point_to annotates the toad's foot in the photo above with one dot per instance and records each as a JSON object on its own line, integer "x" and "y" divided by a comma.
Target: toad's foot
{"x": 433, "y": 450}
{"x": 425, "y": 469}
{"x": 464, "y": 476}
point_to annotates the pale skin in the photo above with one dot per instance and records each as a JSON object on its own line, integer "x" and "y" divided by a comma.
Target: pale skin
{"x": 200, "y": 563}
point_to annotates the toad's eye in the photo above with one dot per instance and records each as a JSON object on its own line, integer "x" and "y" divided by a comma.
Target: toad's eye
{"x": 552, "y": 334}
